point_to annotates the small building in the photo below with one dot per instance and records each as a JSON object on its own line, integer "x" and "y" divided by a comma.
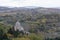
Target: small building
{"x": 18, "y": 26}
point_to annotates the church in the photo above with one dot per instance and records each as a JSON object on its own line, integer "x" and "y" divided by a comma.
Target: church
{"x": 20, "y": 28}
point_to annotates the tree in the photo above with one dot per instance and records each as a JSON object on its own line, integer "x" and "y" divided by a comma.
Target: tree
{"x": 3, "y": 36}
{"x": 15, "y": 33}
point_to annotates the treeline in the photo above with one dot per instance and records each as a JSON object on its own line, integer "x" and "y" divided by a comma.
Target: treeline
{"x": 41, "y": 22}
{"x": 8, "y": 33}
{"x": 37, "y": 23}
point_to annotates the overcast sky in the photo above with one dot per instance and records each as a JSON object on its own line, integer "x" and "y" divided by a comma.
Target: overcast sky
{"x": 22, "y": 3}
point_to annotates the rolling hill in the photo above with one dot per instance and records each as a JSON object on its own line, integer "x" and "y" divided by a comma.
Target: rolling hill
{"x": 28, "y": 10}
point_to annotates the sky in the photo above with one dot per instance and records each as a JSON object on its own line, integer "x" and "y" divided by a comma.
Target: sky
{"x": 37, "y": 3}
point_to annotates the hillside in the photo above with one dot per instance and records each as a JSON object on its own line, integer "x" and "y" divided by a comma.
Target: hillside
{"x": 28, "y": 10}
{"x": 37, "y": 20}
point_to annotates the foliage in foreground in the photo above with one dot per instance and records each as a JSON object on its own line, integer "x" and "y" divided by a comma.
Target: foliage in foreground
{"x": 29, "y": 37}
{"x": 4, "y": 35}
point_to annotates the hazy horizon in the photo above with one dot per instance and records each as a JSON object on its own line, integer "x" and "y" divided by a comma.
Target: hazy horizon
{"x": 25, "y": 3}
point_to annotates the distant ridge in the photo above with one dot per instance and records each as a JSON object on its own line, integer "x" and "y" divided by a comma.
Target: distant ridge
{"x": 29, "y": 10}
